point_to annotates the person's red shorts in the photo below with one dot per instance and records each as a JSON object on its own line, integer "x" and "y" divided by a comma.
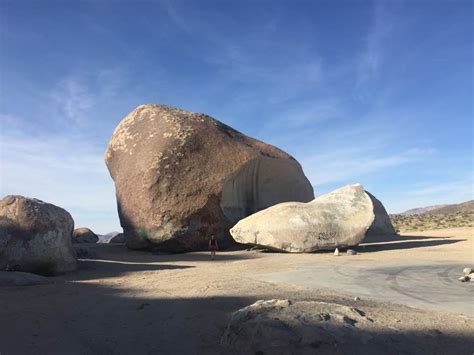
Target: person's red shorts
{"x": 212, "y": 248}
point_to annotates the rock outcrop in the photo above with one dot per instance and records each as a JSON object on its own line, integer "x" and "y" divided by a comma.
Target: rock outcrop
{"x": 84, "y": 235}
{"x": 181, "y": 177}
{"x": 301, "y": 327}
{"x": 35, "y": 236}
{"x": 338, "y": 219}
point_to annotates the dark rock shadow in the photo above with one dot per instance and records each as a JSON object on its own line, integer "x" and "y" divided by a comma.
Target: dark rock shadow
{"x": 120, "y": 253}
{"x": 104, "y": 269}
{"x": 382, "y": 238}
{"x": 87, "y": 318}
{"x": 407, "y": 243}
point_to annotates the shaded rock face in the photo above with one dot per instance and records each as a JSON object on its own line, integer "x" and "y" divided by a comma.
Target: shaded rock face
{"x": 382, "y": 224}
{"x": 84, "y": 235}
{"x": 119, "y": 238}
{"x": 287, "y": 327}
{"x": 35, "y": 236}
{"x": 181, "y": 177}
{"x": 338, "y": 219}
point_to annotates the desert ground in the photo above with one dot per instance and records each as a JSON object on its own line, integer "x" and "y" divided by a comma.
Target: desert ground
{"x": 122, "y": 301}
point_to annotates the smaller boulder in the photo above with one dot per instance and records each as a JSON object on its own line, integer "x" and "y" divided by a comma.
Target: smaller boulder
{"x": 467, "y": 271}
{"x": 84, "y": 235}
{"x": 22, "y": 279}
{"x": 35, "y": 236}
{"x": 351, "y": 252}
{"x": 301, "y": 327}
{"x": 338, "y": 219}
{"x": 119, "y": 238}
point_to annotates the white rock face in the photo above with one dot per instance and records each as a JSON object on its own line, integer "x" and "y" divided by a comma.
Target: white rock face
{"x": 35, "y": 236}
{"x": 338, "y": 219}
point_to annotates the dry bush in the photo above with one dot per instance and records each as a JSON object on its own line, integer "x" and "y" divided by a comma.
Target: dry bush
{"x": 429, "y": 221}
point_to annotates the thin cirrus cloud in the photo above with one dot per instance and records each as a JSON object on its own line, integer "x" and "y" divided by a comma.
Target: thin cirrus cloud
{"x": 62, "y": 163}
{"x": 73, "y": 97}
{"x": 343, "y": 165}
{"x": 62, "y": 171}
{"x": 370, "y": 60}
{"x": 429, "y": 193}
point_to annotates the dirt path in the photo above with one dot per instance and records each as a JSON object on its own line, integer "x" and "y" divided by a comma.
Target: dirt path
{"x": 123, "y": 301}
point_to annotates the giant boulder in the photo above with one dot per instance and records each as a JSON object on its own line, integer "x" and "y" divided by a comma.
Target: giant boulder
{"x": 181, "y": 177}
{"x": 338, "y": 219}
{"x": 35, "y": 236}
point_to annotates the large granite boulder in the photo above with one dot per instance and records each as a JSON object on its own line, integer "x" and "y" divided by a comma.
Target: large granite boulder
{"x": 84, "y": 235}
{"x": 381, "y": 228}
{"x": 35, "y": 236}
{"x": 181, "y": 177}
{"x": 338, "y": 219}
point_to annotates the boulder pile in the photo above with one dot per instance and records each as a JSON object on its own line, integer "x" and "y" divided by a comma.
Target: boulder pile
{"x": 181, "y": 177}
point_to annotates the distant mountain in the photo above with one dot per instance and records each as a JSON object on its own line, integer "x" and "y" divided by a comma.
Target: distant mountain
{"x": 105, "y": 238}
{"x": 459, "y": 207}
{"x": 421, "y": 210}
{"x": 442, "y": 209}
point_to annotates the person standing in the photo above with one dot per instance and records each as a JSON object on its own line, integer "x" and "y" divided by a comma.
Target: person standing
{"x": 213, "y": 246}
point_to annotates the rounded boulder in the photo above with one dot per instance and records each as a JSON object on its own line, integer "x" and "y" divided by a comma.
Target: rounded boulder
{"x": 35, "y": 236}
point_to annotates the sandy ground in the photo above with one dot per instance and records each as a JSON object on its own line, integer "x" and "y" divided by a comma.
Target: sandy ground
{"x": 122, "y": 301}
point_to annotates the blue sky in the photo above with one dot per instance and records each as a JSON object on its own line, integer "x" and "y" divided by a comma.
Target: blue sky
{"x": 379, "y": 93}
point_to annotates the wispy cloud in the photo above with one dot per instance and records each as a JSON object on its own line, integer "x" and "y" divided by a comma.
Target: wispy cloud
{"x": 352, "y": 164}
{"x": 371, "y": 58}
{"x": 176, "y": 17}
{"x": 430, "y": 193}
{"x": 261, "y": 64}
{"x": 452, "y": 188}
{"x": 74, "y": 96}
{"x": 62, "y": 163}
{"x": 62, "y": 171}
{"x": 73, "y": 99}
